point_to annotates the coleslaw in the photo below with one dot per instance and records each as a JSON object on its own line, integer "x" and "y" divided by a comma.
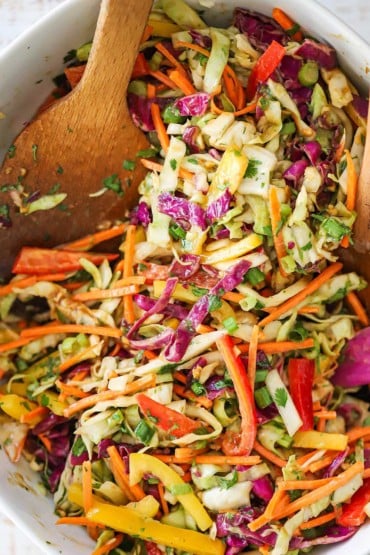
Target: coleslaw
{"x": 201, "y": 388}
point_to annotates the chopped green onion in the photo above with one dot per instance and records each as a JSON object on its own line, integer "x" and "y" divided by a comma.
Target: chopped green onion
{"x": 230, "y": 324}
{"x": 171, "y": 114}
{"x": 176, "y": 231}
{"x": 254, "y": 276}
{"x": 144, "y": 432}
{"x": 308, "y": 75}
{"x": 262, "y": 397}
{"x": 260, "y": 376}
{"x": 198, "y": 388}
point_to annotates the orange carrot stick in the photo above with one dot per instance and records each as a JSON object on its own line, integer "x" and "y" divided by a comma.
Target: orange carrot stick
{"x": 155, "y": 166}
{"x": 118, "y": 468}
{"x": 357, "y": 433}
{"x": 109, "y": 546}
{"x": 182, "y": 82}
{"x": 76, "y": 521}
{"x": 352, "y": 178}
{"x": 101, "y": 294}
{"x": 39, "y": 331}
{"x": 356, "y": 305}
{"x": 133, "y": 387}
{"x": 85, "y": 354}
{"x": 34, "y": 416}
{"x": 319, "y": 521}
{"x": 273, "y": 347}
{"x": 329, "y": 272}
{"x": 200, "y": 400}
{"x": 268, "y": 455}
{"x": 246, "y": 110}
{"x": 163, "y": 78}
{"x": 162, "y": 499}
{"x": 128, "y": 270}
{"x": 15, "y": 344}
{"x": 275, "y": 215}
{"x": 287, "y": 24}
{"x": 159, "y": 126}
{"x": 252, "y": 355}
{"x": 89, "y": 241}
{"x": 71, "y": 390}
{"x": 170, "y": 57}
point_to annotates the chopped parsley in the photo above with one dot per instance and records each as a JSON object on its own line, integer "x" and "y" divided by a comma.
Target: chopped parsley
{"x": 129, "y": 165}
{"x": 113, "y": 183}
{"x": 281, "y": 397}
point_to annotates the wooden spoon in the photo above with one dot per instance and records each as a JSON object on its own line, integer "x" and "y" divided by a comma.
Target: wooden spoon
{"x": 81, "y": 140}
{"x": 357, "y": 257}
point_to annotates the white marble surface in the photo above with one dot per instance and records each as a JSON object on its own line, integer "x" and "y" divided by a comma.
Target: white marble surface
{"x": 16, "y": 16}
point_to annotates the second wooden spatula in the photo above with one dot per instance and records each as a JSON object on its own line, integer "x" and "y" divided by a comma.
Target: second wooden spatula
{"x": 80, "y": 141}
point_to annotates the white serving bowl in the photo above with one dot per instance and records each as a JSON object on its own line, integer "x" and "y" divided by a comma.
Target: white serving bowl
{"x": 26, "y": 70}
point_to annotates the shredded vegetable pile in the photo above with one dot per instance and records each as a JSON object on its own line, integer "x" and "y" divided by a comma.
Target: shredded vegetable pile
{"x": 201, "y": 389}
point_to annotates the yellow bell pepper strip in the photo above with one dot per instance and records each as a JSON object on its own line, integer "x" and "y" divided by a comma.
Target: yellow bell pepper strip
{"x": 239, "y": 444}
{"x": 311, "y": 439}
{"x": 169, "y": 420}
{"x": 147, "y": 507}
{"x": 141, "y": 464}
{"x": 128, "y": 520}
{"x": 264, "y": 67}
{"x": 16, "y": 406}
{"x": 229, "y": 173}
{"x": 47, "y": 399}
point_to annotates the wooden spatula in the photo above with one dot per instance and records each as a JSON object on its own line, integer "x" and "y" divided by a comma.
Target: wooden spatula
{"x": 80, "y": 141}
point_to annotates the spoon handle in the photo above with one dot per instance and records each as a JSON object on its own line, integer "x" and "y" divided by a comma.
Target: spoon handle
{"x": 111, "y": 53}
{"x": 362, "y": 224}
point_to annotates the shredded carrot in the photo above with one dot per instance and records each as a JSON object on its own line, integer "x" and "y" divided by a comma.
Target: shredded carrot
{"x": 264, "y": 549}
{"x": 275, "y": 215}
{"x": 279, "y": 498}
{"x": 39, "y": 331}
{"x": 356, "y": 305}
{"x": 287, "y": 24}
{"x": 15, "y": 344}
{"x": 76, "y": 521}
{"x": 170, "y": 57}
{"x": 187, "y": 452}
{"x": 79, "y": 376}
{"x": 128, "y": 271}
{"x": 199, "y": 400}
{"x": 159, "y": 126}
{"x": 246, "y": 110}
{"x": 34, "y": 416}
{"x": 232, "y": 460}
{"x": 304, "y": 458}
{"x": 322, "y": 463}
{"x": 162, "y": 499}
{"x": 73, "y": 285}
{"x": 133, "y": 387}
{"x": 135, "y": 493}
{"x": 87, "y": 490}
{"x": 357, "y": 433}
{"x": 89, "y": 241}
{"x": 163, "y": 78}
{"x": 303, "y": 484}
{"x": 322, "y": 278}
{"x": 109, "y": 546}
{"x": 180, "y": 377}
{"x": 272, "y": 347}
{"x": 46, "y": 441}
{"x": 252, "y": 355}
{"x": 319, "y": 521}
{"x": 155, "y": 166}
{"x": 326, "y": 414}
{"x": 149, "y": 354}
{"x": 74, "y": 74}
{"x": 204, "y": 328}
{"x": 29, "y": 281}
{"x": 192, "y": 46}
{"x": 76, "y": 358}
{"x": 310, "y": 497}
{"x": 352, "y": 178}
{"x": 182, "y": 82}
{"x": 71, "y": 390}
{"x": 233, "y": 297}
{"x": 147, "y": 33}
{"x": 233, "y": 87}
{"x": 151, "y": 90}
{"x": 268, "y": 454}
{"x": 116, "y": 292}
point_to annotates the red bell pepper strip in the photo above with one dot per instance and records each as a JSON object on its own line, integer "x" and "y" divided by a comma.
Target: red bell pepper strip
{"x": 301, "y": 373}
{"x": 169, "y": 420}
{"x": 239, "y": 444}
{"x": 353, "y": 513}
{"x": 38, "y": 261}
{"x": 265, "y": 67}
{"x": 141, "y": 67}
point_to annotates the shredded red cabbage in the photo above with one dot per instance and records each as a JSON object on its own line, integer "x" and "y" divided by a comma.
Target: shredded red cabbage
{"x": 187, "y": 328}
{"x": 259, "y": 29}
{"x": 323, "y": 54}
{"x": 189, "y": 137}
{"x": 157, "y": 308}
{"x": 193, "y": 105}
{"x": 354, "y": 370}
{"x": 182, "y": 210}
{"x": 361, "y": 105}
{"x": 295, "y": 172}
{"x": 219, "y": 207}
{"x": 185, "y": 267}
